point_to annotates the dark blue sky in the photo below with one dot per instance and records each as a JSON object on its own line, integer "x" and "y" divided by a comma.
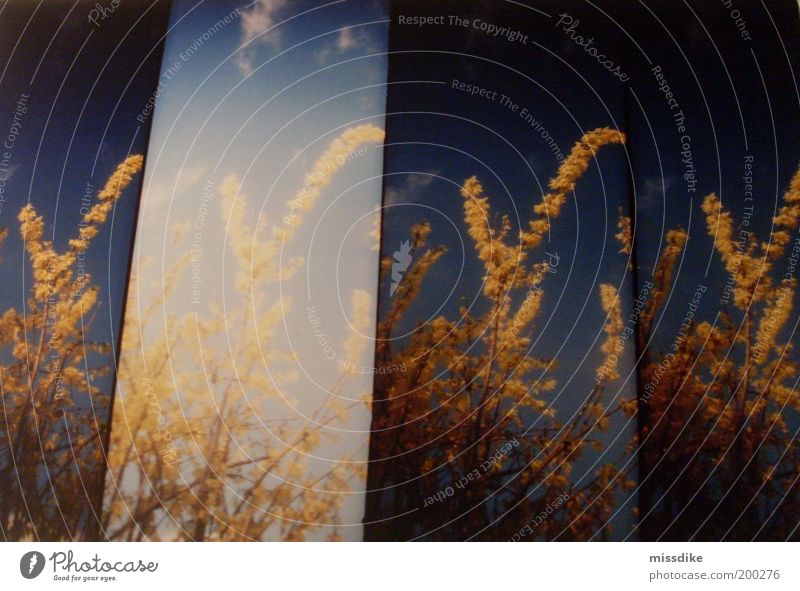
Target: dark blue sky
{"x": 740, "y": 100}
{"x": 86, "y": 84}
{"x": 482, "y": 135}
{"x": 727, "y": 86}
{"x": 487, "y": 139}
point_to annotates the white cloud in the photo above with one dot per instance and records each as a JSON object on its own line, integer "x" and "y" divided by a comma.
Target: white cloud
{"x": 159, "y": 194}
{"x": 324, "y": 55}
{"x": 189, "y": 176}
{"x": 408, "y": 190}
{"x": 366, "y": 102}
{"x": 255, "y": 21}
{"x": 9, "y": 172}
{"x": 653, "y": 191}
{"x": 346, "y": 41}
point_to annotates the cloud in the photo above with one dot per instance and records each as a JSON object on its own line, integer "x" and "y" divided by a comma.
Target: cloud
{"x": 188, "y": 176}
{"x": 255, "y": 21}
{"x": 324, "y": 55}
{"x": 653, "y": 191}
{"x": 366, "y": 102}
{"x": 346, "y": 40}
{"x": 409, "y": 189}
{"x": 159, "y": 194}
{"x": 9, "y": 172}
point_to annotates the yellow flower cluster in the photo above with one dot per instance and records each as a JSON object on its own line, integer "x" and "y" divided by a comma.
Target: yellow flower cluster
{"x": 609, "y": 299}
{"x": 50, "y": 375}
{"x": 207, "y": 443}
{"x": 474, "y": 384}
{"x": 571, "y": 169}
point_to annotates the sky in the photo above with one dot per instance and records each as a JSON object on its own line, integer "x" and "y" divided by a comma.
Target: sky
{"x": 80, "y": 122}
{"x": 740, "y": 99}
{"x": 265, "y": 107}
{"x": 260, "y": 89}
{"x": 734, "y": 85}
{"x": 68, "y": 118}
{"x": 438, "y": 135}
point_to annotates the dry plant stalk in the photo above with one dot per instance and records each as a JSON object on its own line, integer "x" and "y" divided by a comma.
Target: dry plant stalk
{"x": 472, "y": 389}
{"x": 53, "y": 426}
{"x": 202, "y": 446}
{"x": 719, "y": 459}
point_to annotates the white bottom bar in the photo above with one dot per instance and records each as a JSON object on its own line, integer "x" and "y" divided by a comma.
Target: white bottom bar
{"x": 402, "y": 567}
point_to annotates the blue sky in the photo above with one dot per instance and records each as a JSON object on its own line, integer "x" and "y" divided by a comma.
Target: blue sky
{"x": 80, "y": 90}
{"x": 438, "y": 136}
{"x": 265, "y": 113}
{"x": 78, "y": 125}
